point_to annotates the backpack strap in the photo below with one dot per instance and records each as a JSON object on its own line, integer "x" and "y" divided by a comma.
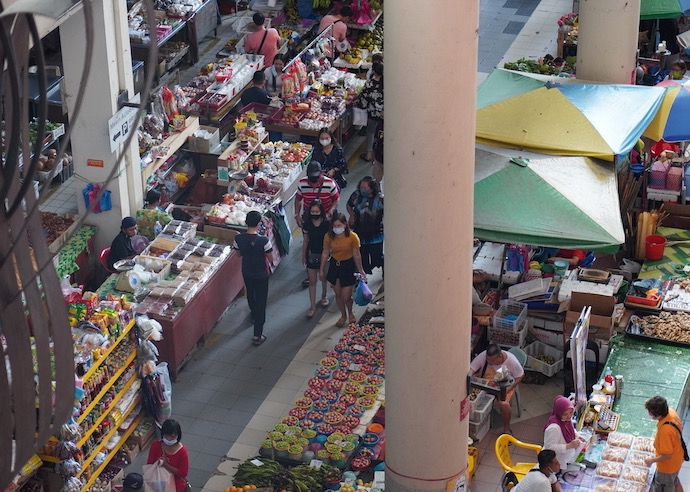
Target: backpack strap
{"x": 682, "y": 442}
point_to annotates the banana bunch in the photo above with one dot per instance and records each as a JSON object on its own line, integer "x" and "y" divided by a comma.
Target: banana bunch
{"x": 291, "y": 13}
{"x": 261, "y": 476}
{"x": 352, "y": 56}
{"x": 317, "y": 4}
{"x": 306, "y": 478}
{"x": 284, "y": 33}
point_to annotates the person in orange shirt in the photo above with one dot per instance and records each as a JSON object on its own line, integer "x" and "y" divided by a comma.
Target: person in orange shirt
{"x": 668, "y": 445}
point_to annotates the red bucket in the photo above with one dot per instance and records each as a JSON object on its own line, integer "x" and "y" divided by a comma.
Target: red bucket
{"x": 655, "y": 245}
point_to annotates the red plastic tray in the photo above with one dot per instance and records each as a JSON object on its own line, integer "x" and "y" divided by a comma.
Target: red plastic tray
{"x": 277, "y": 118}
{"x": 264, "y": 111}
{"x": 213, "y": 100}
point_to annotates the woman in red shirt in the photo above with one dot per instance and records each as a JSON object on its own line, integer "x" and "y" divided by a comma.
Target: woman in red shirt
{"x": 172, "y": 453}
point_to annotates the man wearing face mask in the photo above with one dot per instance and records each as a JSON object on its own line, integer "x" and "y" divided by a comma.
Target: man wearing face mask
{"x": 315, "y": 186}
{"x": 542, "y": 478}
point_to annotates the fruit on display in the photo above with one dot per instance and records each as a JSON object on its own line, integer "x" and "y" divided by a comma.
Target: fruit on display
{"x": 347, "y": 488}
{"x": 262, "y": 476}
{"x": 230, "y": 44}
{"x": 321, "y": 4}
{"x": 353, "y": 56}
{"x": 547, "y": 359}
{"x": 291, "y": 12}
{"x": 372, "y": 41}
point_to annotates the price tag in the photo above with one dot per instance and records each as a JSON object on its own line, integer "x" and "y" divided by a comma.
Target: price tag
{"x": 339, "y": 443}
{"x": 316, "y": 464}
{"x": 256, "y": 462}
{"x": 355, "y": 367}
{"x": 380, "y": 479}
{"x": 360, "y": 348}
{"x": 290, "y": 432}
{"x": 350, "y": 481}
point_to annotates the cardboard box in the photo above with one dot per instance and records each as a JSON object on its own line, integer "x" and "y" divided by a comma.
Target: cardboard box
{"x": 131, "y": 449}
{"x": 601, "y": 316}
{"x": 205, "y": 145}
{"x": 679, "y": 215}
{"x": 222, "y": 233}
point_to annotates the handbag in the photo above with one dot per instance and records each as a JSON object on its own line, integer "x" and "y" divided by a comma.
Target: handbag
{"x": 157, "y": 479}
{"x": 359, "y": 117}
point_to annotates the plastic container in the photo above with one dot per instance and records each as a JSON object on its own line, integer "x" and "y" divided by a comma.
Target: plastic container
{"x": 510, "y": 316}
{"x": 560, "y": 267}
{"x": 657, "y": 175}
{"x": 507, "y": 339}
{"x": 674, "y": 178}
{"x": 538, "y": 365}
{"x": 655, "y": 245}
{"x": 480, "y": 407}
{"x": 375, "y": 428}
{"x": 479, "y": 430}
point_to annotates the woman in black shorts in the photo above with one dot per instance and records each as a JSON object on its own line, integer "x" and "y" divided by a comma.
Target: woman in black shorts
{"x": 342, "y": 245}
{"x": 314, "y": 227}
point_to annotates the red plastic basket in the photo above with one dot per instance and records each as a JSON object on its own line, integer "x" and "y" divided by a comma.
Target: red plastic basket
{"x": 278, "y": 118}
{"x": 263, "y": 111}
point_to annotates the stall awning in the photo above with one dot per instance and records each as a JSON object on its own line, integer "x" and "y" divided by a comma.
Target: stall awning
{"x": 563, "y": 202}
{"x": 663, "y": 9}
{"x": 594, "y": 120}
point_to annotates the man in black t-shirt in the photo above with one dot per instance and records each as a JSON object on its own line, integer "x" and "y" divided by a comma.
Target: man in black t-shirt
{"x": 121, "y": 247}
{"x": 256, "y": 93}
{"x": 254, "y": 248}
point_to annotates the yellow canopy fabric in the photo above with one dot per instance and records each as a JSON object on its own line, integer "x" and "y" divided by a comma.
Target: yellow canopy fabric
{"x": 528, "y": 121}
{"x": 656, "y": 128}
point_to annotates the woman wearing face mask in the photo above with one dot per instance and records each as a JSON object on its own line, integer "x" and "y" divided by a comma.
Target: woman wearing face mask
{"x": 274, "y": 74}
{"x": 365, "y": 207}
{"x": 342, "y": 245}
{"x": 314, "y": 228}
{"x": 560, "y": 434}
{"x": 171, "y": 453}
{"x": 330, "y": 154}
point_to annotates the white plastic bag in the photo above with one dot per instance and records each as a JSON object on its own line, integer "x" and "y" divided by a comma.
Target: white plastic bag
{"x": 157, "y": 479}
{"x": 166, "y": 403}
{"x": 359, "y": 117}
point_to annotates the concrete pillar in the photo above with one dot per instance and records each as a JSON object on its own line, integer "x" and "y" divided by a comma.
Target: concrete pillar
{"x": 607, "y": 41}
{"x": 430, "y": 74}
{"x": 111, "y": 73}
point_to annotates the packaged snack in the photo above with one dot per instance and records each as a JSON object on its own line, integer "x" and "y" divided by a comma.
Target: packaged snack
{"x": 638, "y": 458}
{"x": 624, "y": 486}
{"x": 603, "y": 485}
{"x": 620, "y": 439}
{"x": 609, "y": 469}
{"x": 613, "y": 453}
{"x": 635, "y": 474}
{"x": 645, "y": 444}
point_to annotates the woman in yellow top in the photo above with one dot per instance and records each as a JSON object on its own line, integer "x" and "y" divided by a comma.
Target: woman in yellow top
{"x": 150, "y": 214}
{"x": 342, "y": 246}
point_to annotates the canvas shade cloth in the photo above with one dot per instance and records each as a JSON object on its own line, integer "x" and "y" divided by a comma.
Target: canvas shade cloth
{"x": 672, "y": 120}
{"x": 663, "y": 9}
{"x": 593, "y": 120}
{"x": 561, "y": 202}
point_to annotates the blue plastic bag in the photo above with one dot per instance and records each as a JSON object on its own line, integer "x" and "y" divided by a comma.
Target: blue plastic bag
{"x": 363, "y": 294}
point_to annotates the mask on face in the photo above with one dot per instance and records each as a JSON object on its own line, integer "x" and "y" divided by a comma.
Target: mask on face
{"x": 168, "y": 442}
{"x": 315, "y": 217}
{"x": 676, "y": 75}
{"x": 313, "y": 179}
{"x": 338, "y": 230}
{"x": 325, "y": 141}
{"x": 365, "y": 193}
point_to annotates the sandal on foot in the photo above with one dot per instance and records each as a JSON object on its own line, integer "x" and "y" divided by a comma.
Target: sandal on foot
{"x": 259, "y": 340}
{"x": 352, "y": 318}
{"x": 324, "y": 302}
{"x": 341, "y": 322}
{"x": 311, "y": 313}
{"x": 365, "y": 158}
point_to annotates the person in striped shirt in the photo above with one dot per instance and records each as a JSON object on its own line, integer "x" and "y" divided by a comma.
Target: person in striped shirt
{"x": 315, "y": 186}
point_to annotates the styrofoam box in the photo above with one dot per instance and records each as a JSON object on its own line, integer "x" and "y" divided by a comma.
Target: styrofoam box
{"x": 479, "y": 430}
{"x": 535, "y": 364}
{"x": 480, "y": 407}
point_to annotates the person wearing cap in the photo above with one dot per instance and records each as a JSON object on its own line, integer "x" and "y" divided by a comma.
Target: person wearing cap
{"x": 339, "y": 22}
{"x": 263, "y": 41}
{"x": 121, "y": 248}
{"x": 316, "y": 186}
{"x": 133, "y": 482}
{"x": 150, "y": 214}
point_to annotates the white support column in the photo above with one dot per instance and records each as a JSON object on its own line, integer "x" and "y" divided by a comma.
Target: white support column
{"x": 430, "y": 78}
{"x": 607, "y": 41}
{"x": 111, "y": 73}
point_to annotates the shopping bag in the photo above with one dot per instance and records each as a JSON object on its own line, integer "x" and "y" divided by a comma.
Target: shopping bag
{"x": 359, "y": 117}
{"x": 106, "y": 202}
{"x": 166, "y": 386}
{"x": 157, "y": 479}
{"x": 363, "y": 294}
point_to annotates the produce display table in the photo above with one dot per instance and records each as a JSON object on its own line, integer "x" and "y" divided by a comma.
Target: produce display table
{"x": 648, "y": 369}
{"x": 673, "y": 255}
{"x": 73, "y": 257}
{"x": 339, "y": 127}
{"x": 197, "y": 319}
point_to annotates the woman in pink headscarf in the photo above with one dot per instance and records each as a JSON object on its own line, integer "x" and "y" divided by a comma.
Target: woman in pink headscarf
{"x": 559, "y": 432}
